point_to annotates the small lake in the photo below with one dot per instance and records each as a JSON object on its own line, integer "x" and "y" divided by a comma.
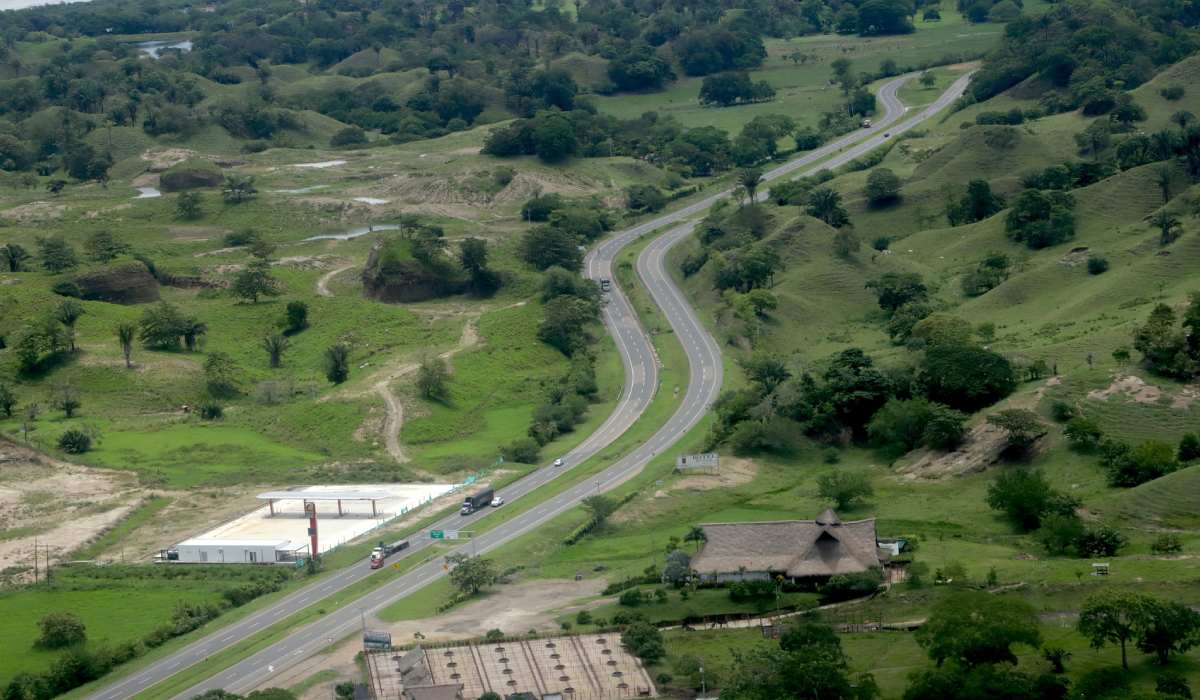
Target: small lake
{"x": 148, "y": 193}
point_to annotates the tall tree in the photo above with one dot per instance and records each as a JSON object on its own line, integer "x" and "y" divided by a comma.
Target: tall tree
{"x": 972, "y": 628}
{"x": 432, "y": 378}
{"x": 1111, "y": 616}
{"x": 255, "y": 281}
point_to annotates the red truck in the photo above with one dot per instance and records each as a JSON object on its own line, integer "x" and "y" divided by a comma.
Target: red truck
{"x": 384, "y": 550}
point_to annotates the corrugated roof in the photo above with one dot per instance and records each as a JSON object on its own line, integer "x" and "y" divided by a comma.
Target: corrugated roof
{"x": 795, "y": 548}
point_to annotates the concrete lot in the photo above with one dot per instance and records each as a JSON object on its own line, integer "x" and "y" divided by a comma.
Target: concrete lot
{"x": 289, "y": 522}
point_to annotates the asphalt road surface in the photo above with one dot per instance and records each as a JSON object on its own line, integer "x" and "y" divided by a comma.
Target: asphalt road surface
{"x": 641, "y": 383}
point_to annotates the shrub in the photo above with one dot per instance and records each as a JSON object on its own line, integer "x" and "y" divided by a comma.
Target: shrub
{"x": 1189, "y": 447}
{"x": 1097, "y": 265}
{"x": 524, "y": 450}
{"x": 1166, "y": 543}
{"x": 1062, "y": 411}
{"x": 210, "y": 410}
{"x": 741, "y": 591}
{"x": 493, "y": 635}
{"x": 847, "y": 586}
{"x": 1083, "y": 433}
{"x": 1172, "y": 92}
{"x": 74, "y": 441}
{"x": 1145, "y": 462}
{"x": 645, "y": 641}
{"x": 67, "y": 289}
{"x": 583, "y": 617}
{"x": 1102, "y": 541}
{"x": 631, "y": 598}
{"x": 60, "y": 630}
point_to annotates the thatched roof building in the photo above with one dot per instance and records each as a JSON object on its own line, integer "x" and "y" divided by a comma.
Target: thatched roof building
{"x": 795, "y": 549}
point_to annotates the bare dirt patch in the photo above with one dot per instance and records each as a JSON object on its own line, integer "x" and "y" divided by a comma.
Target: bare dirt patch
{"x": 1186, "y": 397}
{"x": 34, "y": 212}
{"x": 59, "y": 504}
{"x": 145, "y": 180}
{"x": 196, "y": 233}
{"x": 734, "y": 472}
{"x": 160, "y": 160}
{"x": 981, "y": 449}
{"x": 1131, "y": 387}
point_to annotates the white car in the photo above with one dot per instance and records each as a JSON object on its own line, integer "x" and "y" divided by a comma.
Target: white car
{"x": 558, "y": 462}
{"x": 497, "y": 502}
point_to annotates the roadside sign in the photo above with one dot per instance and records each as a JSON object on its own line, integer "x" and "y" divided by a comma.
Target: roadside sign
{"x": 450, "y": 534}
{"x": 437, "y": 535}
{"x": 396, "y": 566}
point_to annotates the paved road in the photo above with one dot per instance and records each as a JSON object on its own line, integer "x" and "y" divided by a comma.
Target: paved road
{"x": 641, "y": 383}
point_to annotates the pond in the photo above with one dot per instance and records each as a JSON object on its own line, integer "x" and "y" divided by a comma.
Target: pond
{"x": 147, "y": 193}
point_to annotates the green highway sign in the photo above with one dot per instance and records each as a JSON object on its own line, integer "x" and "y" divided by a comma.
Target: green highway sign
{"x": 436, "y": 535}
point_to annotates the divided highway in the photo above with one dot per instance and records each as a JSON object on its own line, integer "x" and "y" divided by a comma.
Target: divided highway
{"x": 641, "y": 383}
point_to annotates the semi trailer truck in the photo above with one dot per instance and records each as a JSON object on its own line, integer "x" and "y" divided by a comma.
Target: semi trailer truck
{"x": 384, "y": 550}
{"x": 477, "y": 500}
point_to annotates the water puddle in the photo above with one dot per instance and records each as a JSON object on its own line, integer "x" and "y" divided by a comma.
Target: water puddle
{"x": 147, "y": 193}
{"x": 370, "y": 200}
{"x": 354, "y": 233}
{"x": 154, "y": 49}
{"x": 321, "y": 165}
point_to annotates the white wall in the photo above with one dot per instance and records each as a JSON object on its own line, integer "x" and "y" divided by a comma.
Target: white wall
{"x": 226, "y": 554}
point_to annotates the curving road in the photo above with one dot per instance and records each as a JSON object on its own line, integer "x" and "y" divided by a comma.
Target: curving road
{"x": 641, "y": 383}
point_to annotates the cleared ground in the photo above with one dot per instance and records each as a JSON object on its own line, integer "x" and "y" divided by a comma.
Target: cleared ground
{"x": 356, "y": 519}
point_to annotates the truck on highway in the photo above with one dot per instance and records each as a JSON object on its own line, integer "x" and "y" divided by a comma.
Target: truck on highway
{"x": 384, "y": 550}
{"x": 475, "y": 501}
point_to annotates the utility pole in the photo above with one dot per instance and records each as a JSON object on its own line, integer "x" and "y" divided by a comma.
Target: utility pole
{"x": 35, "y": 561}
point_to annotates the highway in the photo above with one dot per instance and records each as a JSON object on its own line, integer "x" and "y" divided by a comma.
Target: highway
{"x": 641, "y": 383}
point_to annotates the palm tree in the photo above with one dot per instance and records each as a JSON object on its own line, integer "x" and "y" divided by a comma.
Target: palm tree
{"x": 68, "y": 313}
{"x": 13, "y": 256}
{"x": 125, "y": 334}
{"x": 696, "y": 534}
{"x": 1168, "y": 227}
{"x": 191, "y": 329}
{"x": 749, "y": 179}
{"x": 1163, "y": 177}
{"x": 275, "y": 345}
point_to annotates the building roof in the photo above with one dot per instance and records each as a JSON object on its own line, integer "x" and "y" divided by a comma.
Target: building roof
{"x": 796, "y": 548}
{"x": 363, "y": 495}
{"x": 207, "y": 542}
{"x": 451, "y": 691}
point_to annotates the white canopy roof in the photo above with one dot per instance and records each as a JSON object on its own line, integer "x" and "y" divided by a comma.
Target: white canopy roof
{"x": 325, "y": 495}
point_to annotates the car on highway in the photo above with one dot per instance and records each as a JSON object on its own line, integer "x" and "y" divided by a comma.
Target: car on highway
{"x": 558, "y": 462}
{"x": 497, "y": 502}
{"x": 887, "y": 134}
